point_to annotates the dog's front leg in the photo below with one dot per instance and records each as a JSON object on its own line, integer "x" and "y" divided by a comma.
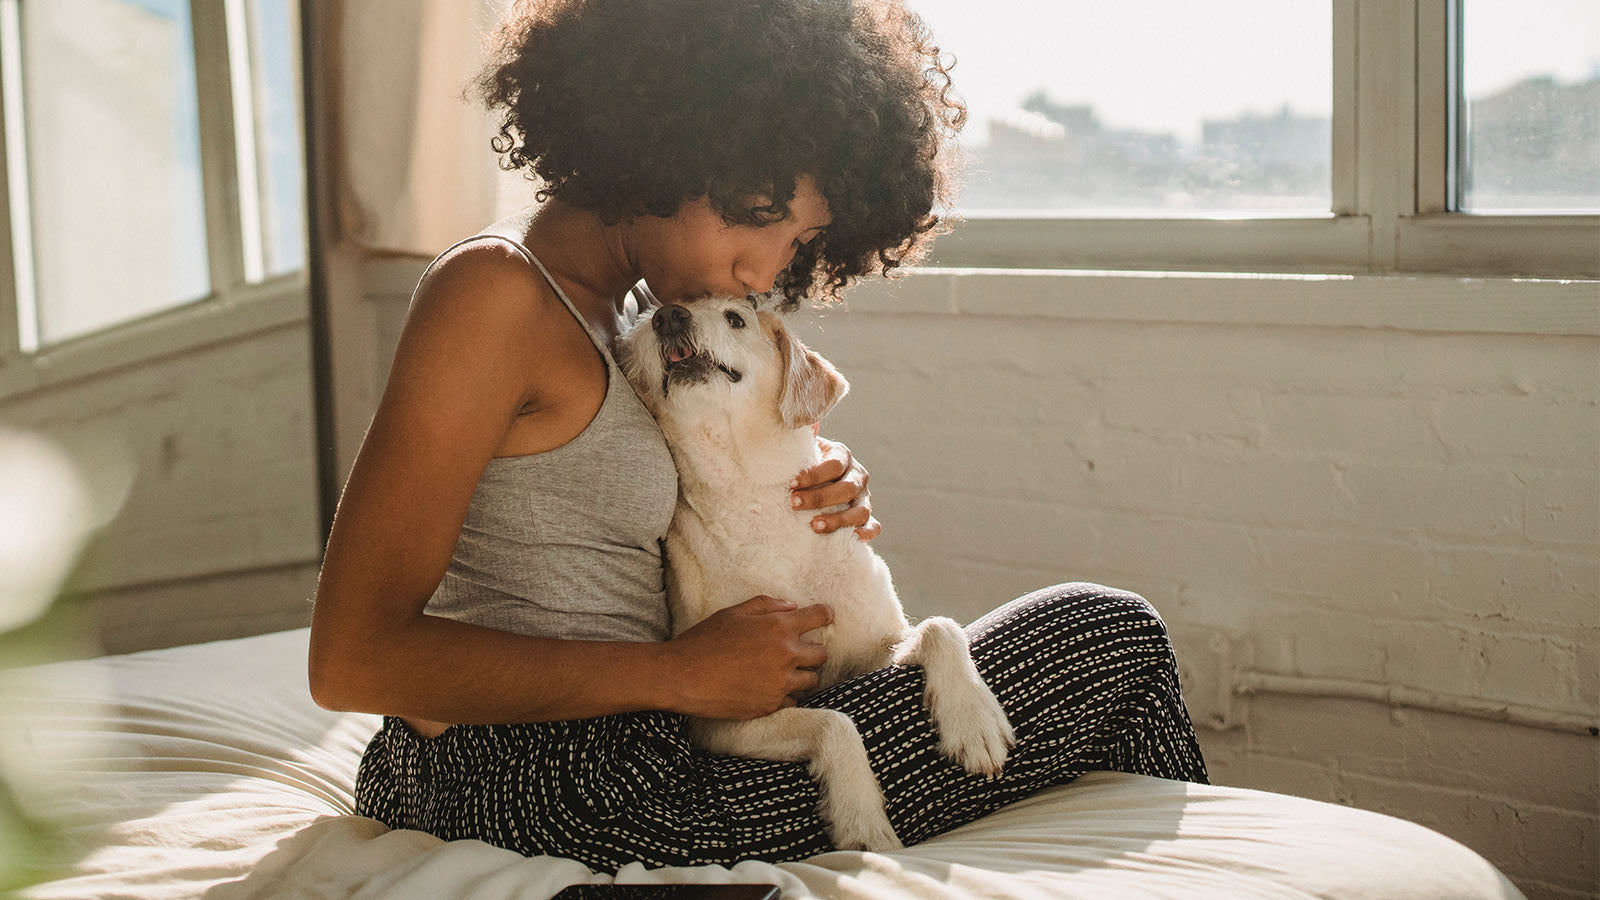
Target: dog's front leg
{"x": 973, "y": 729}
{"x": 851, "y": 801}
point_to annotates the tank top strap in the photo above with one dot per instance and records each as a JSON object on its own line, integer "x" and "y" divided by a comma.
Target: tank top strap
{"x": 571, "y": 307}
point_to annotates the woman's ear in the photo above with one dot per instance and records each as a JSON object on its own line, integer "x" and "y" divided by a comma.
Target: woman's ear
{"x": 811, "y": 385}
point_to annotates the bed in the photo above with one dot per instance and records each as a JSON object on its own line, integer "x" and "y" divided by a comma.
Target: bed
{"x": 206, "y": 770}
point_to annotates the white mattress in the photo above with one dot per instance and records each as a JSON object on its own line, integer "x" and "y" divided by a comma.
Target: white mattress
{"x": 207, "y": 770}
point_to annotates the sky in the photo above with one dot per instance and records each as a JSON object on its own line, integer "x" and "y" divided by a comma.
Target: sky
{"x": 1165, "y": 65}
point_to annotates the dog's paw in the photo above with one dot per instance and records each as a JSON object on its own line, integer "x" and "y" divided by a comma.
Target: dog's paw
{"x": 977, "y": 735}
{"x": 865, "y": 832}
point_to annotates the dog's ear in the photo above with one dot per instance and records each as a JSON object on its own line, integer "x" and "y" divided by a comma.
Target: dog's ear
{"x": 811, "y": 385}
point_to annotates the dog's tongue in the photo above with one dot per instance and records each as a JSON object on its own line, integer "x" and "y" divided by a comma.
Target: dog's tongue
{"x": 678, "y": 354}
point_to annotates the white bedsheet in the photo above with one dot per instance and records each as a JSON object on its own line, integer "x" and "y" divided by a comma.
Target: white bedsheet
{"x": 207, "y": 771}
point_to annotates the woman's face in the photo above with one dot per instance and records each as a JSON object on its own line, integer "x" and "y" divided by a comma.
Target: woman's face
{"x": 695, "y": 254}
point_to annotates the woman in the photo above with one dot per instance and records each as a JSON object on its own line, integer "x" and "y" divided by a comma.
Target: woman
{"x": 493, "y": 583}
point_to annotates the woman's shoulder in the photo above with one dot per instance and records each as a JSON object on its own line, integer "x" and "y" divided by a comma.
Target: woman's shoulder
{"x": 481, "y": 298}
{"x": 486, "y": 255}
{"x": 484, "y": 277}
{"x": 493, "y": 253}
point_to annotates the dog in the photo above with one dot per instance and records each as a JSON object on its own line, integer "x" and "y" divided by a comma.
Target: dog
{"x": 737, "y": 397}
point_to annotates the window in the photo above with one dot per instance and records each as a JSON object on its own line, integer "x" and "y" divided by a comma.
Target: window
{"x": 1345, "y": 136}
{"x": 110, "y": 163}
{"x": 1529, "y": 110}
{"x": 267, "y": 81}
{"x": 1093, "y": 109}
{"x": 152, "y": 158}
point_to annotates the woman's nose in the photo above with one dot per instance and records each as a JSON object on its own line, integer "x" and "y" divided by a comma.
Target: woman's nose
{"x": 756, "y": 282}
{"x": 758, "y": 275}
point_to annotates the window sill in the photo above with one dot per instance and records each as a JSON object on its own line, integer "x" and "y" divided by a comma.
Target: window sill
{"x": 1490, "y": 246}
{"x": 256, "y": 308}
{"x": 1419, "y": 303}
{"x": 1301, "y": 243}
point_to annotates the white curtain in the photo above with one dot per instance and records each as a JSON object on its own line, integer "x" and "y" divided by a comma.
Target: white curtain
{"x": 415, "y": 169}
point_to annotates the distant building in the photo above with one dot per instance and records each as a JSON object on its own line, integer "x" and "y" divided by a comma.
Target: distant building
{"x": 1282, "y": 139}
{"x": 1049, "y": 155}
{"x": 1534, "y": 145}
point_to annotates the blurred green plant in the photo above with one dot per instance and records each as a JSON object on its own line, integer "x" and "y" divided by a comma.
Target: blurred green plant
{"x": 32, "y": 850}
{"x": 48, "y": 524}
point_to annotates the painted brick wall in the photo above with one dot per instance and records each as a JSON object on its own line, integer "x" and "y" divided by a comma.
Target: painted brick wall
{"x": 1377, "y": 505}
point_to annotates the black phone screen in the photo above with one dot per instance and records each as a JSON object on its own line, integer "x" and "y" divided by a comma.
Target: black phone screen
{"x": 669, "y": 892}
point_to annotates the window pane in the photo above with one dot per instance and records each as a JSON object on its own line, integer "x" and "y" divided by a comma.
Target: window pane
{"x": 1166, "y": 107}
{"x": 113, "y": 159}
{"x": 275, "y": 65}
{"x": 1531, "y": 79}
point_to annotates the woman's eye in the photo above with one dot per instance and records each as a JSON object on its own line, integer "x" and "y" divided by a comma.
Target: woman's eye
{"x": 733, "y": 319}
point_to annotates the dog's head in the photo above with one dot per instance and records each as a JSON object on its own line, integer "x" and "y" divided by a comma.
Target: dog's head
{"x": 722, "y": 356}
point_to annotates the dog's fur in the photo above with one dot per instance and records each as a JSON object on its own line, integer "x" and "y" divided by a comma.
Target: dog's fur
{"x": 737, "y": 403}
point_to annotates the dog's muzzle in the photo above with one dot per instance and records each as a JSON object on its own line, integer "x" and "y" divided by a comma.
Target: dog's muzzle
{"x": 683, "y": 363}
{"x": 671, "y": 321}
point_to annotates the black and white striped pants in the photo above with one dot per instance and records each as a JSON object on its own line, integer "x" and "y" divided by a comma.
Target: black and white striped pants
{"x": 1084, "y": 672}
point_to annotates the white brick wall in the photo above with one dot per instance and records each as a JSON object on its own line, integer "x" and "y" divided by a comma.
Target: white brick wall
{"x": 1306, "y": 490}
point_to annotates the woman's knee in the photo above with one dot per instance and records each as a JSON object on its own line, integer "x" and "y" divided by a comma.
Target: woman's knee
{"x": 1076, "y": 621}
{"x": 1076, "y": 606}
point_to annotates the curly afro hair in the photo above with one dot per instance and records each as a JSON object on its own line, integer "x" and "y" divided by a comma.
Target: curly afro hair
{"x": 632, "y": 107}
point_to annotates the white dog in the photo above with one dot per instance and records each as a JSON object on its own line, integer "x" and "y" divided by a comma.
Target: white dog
{"x": 736, "y": 395}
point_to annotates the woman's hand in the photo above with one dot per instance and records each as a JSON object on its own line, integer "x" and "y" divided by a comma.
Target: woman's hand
{"x": 747, "y": 660}
{"x": 839, "y": 478}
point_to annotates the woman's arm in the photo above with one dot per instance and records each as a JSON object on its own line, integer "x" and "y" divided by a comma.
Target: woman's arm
{"x": 458, "y": 380}
{"x": 742, "y": 662}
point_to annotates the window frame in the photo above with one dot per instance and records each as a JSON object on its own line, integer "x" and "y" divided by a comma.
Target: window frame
{"x": 1392, "y": 157}
{"x": 1394, "y": 80}
{"x": 234, "y": 308}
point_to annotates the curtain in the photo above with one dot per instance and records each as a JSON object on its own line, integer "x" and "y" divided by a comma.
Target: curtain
{"x": 414, "y": 169}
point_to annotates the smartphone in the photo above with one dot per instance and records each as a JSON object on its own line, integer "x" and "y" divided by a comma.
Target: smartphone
{"x": 668, "y": 892}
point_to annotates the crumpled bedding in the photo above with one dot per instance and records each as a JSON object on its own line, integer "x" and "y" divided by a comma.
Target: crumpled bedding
{"x": 206, "y": 771}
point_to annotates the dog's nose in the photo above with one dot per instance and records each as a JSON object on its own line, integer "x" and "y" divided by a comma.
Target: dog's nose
{"x": 670, "y": 320}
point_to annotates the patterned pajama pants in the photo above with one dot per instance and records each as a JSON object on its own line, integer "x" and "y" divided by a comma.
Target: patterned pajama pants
{"x": 1085, "y": 673}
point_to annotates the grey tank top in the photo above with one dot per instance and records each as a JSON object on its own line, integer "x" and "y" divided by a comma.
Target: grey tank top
{"x": 568, "y": 543}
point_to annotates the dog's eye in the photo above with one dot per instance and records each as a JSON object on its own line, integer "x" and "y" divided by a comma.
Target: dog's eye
{"x": 734, "y": 319}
